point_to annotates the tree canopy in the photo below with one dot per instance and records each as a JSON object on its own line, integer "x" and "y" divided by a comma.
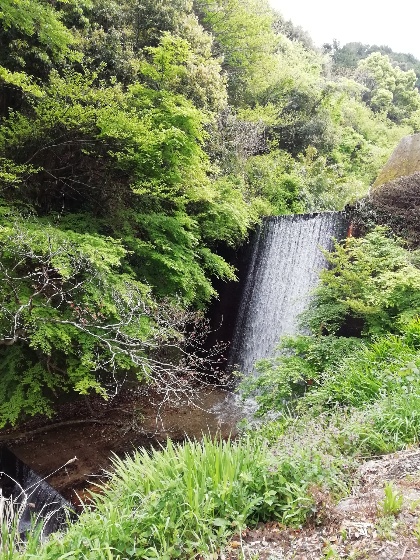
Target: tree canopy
{"x": 138, "y": 140}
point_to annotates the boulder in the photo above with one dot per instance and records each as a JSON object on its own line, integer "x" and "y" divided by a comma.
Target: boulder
{"x": 404, "y": 161}
{"x": 394, "y": 198}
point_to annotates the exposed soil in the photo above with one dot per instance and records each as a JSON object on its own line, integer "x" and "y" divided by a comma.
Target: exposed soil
{"x": 356, "y": 528}
{"x": 92, "y": 430}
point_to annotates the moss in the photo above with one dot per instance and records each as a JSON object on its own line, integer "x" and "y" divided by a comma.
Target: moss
{"x": 404, "y": 161}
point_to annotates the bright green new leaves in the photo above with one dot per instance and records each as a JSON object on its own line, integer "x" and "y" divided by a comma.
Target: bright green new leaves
{"x": 371, "y": 280}
{"x": 141, "y": 170}
{"x": 168, "y": 253}
{"x": 36, "y": 22}
{"x": 244, "y": 37}
{"x": 193, "y": 72}
{"x": 68, "y": 317}
{"x": 32, "y": 40}
{"x": 389, "y": 89}
{"x": 153, "y": 137}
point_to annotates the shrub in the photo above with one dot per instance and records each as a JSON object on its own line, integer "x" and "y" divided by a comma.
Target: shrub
{"x": 373, "y": 281}
{"x": 300, "y": 368}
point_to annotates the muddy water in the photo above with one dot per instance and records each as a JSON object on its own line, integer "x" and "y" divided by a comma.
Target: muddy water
{"x": 132, "y": 420}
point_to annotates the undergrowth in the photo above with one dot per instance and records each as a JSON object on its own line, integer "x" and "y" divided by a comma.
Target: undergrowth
{"x": 187, "y": 499}
{"x": 336, "y": 400}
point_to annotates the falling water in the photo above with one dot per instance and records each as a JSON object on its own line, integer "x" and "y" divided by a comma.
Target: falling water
{"x": 40, "y": 501}
{"x": 284, "y": 268}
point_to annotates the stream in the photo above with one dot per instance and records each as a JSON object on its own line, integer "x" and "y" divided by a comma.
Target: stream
{"x": 284, "y": 262}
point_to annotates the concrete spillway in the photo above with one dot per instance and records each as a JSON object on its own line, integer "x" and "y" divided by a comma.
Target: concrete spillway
{"x": 284, "y": 268}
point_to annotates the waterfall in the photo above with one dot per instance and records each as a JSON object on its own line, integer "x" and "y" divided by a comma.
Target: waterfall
{"x": 39, "y": 499}
{"x": 283, "y": 270}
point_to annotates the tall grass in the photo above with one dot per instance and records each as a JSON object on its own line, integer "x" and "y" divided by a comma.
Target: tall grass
{"x": 185, "y": 500}
{"x": 10, "y": 513}
{"x": 13, "y": 543}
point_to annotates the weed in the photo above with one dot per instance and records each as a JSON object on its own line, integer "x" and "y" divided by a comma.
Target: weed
{"x": 329, "y": 552}
{"x": 414, "y": 505}
{"x": 386, "y": 526}
{"x": 393, "y": 501}
{"x": 416, "y": 530}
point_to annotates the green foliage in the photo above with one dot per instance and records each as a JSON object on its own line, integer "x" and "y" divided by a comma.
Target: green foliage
{"x": 176, "y": 66}
{"x": 187, "y": 499}
{"x": 67, "y": 314}
{"x": 273, "y": 177}
{"x": 387, "y": 366}
{"x": 370, "y": 279}
{"x": 149, "y": 145}
{"x": 33, "y": 40}
{"x": 390, "y": 90}
{"x": 32, "y": 33}
{"x": 348, "y": 56}
{"x": 301, "y": 367}
{"x": 245, "y": 38}
{"x": 393, "y": 501}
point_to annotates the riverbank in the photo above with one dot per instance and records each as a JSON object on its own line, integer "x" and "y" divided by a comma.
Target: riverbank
{"x": 92, "y": 430}
{"x": 356, "y": 527}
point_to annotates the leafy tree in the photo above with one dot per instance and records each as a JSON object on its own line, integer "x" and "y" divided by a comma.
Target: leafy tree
{"x": 147, "y": 144}
{"x": 244, "y": 38}
{"x": 122, "y": 175}
{"x": 389, "y": 89}
{"x": 33, "y": 37}
{"x": 72, "y": 319}
{"x": 32, "y": 40}
{"x": 349, "y": 55}
{"x": 292, "y": 31}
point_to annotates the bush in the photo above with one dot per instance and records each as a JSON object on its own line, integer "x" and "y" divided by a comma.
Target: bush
{"x": 373, "y": 281}
{"x": 299, "y": 369}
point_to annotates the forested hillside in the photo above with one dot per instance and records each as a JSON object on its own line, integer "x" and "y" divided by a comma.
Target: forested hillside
{"x": 137, "y": 140}
{"x": 349, "y": 55}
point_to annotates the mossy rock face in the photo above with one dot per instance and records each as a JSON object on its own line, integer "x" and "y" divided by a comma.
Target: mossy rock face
{"x": 397, "y": 203}
{"x": 404, "y": 161}
{"x": 394, "y": 199}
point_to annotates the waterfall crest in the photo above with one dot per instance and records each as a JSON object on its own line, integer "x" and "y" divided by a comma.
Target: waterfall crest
{"x": 283, "y": 270}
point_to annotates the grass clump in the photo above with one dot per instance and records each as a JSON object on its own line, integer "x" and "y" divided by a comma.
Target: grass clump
{"x": 392, "y": 502}
{"x": 187, "y": 499}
